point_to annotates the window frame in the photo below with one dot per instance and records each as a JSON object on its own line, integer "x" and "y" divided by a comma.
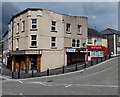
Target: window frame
{"x": 68, "y": 30}
{"x": 79, "y": 28}
{"x": 76, "y": 43}
{"x": 18, "y": 25}
{"x": 17, "y": 43}
{"x": 23, "y": 26}
{"x": 53, "y": 42}
{"x": 34, "y": 24}
{"x": 55, "y": 26}
{"x": 32, "y": 40}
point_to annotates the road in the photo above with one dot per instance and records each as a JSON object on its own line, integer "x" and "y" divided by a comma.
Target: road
{"x": 101, "y": 79}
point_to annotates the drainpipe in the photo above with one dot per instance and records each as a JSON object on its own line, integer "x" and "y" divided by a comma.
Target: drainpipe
{"x": 114, "y": 45}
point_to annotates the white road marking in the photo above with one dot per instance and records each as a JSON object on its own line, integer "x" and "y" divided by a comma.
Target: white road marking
{"x": 69, "y": 85}
{"x": 20, "y": 82}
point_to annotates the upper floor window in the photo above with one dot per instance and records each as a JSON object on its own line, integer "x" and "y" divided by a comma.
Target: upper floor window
{"x": 118, "y": 38}
{"x": 68, "y": 28}
{"x": 34, "y": 24}
{"x": 33, "y": 40}
{"x": 89, "y": 40}
{"x": 17, "y": 43}
{"x": 23, "y": 26}
{"x": 79, "y": 29}
{"x": 53, "y": 26}
{"x": 53, "y": 42}
{"x": 75, "y": 43}
{"x": 17, "y": 28}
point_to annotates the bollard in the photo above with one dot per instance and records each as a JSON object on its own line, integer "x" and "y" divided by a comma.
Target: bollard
{"x": 91, "y": 63}
{"x": 101, "y": 59}
{"x": 96, "y": 61}
{"x": 85, "y": 65}
{"x": 19, "y": 75}
{"x": 47, "y": 72}
{"x": 105, "y": 57}
{"x": 12, "y": 74}
{"x": 76, "y": 67}
{"x": 63, "y": 69}
{"x": 32, "y": 73}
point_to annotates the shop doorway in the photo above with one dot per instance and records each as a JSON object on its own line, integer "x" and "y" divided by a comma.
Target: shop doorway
{"x": 75, "y": 57}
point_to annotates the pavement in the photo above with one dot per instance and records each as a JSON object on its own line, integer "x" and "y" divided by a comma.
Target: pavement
{"x": 101, "y": 79}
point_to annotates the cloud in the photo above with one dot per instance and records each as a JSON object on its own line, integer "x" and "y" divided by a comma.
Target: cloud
{"x": 100, "y": 14}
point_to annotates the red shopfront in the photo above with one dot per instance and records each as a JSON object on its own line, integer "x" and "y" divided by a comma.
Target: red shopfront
{"x": 96, "y": 52}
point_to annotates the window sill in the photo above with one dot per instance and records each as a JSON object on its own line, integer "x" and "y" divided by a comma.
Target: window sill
{"x": 53, "y": 47}
{"x": 53, "y": 31}
{"x": 33, "y": 29}
{"x": 79, "y": 34}
{"x": 68, "y": 32}
{"x": 33, "y": 46}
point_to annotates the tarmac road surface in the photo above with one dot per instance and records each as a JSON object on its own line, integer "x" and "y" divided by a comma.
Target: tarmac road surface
{"x": 101, "y": 79}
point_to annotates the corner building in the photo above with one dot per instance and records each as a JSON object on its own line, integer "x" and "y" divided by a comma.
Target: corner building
{"x": 40, "y": 39}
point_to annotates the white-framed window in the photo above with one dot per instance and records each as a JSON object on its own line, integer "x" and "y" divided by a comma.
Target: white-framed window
{"x": 118, "y": 38}
{"x": 53, "y": 42}
{"x": 68, "y": 28}
{"x": 34, "y": 24}
{"x": 23, "y": 26}
{"x": 53, "y": 26}
{"x": 33, "y": 40}
{"x": 79, "y": 29}
{"x": 89, "y": 40}
{"x": 76, "y": 43}
{"x": 17, "y": 43}
{"x": 17, "y": 28}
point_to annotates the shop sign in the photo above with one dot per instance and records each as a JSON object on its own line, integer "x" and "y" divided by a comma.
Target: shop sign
{"x": 32, "y": 52}
{"x": 17, "y": 52}
{"x": 95, "y": 47}
{"x": 71, "y": 50}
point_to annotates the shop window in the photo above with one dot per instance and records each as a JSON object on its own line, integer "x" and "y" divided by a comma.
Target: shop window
{"x": 68, "y": 28}
{"x": 76, "y": 43}
{"x": 33, "y": 40}
{"x": 53, "y": 42}
{"x": 34, "y": 24}
{"x": 53, "y": 26}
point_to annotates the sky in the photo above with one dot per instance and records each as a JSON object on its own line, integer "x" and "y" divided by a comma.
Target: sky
{"x": 101, "y": 15}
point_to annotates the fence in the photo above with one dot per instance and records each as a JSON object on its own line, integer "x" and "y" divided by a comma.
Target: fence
{"x": 61, "y": 70}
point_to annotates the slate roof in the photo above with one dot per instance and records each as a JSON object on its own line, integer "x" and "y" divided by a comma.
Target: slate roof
{"x": 109, "y": 31}
{"x": 94, "y": 33}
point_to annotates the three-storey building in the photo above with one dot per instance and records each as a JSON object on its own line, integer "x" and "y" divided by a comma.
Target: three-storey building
{"x": 40, "y": 39}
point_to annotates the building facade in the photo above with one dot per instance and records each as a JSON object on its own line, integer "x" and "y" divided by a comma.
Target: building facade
{"x": 96, "y": 45}
{"x": 113, "y": 38}
{"x": 5, "y": 49}
{"x": 40, "y": 39}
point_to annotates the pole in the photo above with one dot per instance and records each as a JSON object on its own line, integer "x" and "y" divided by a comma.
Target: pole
{"x": 63, "y": 69}
{"x": 47, "y": 72}
{"x": 76, "y": 67}
{"x": 32, "y": 73}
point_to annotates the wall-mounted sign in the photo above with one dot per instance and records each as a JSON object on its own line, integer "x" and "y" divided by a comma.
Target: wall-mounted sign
{"x": 32, "y": 52}
{"x": 71, "y": 50}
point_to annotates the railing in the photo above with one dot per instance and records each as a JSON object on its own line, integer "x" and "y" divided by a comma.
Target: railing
{"x": 63, "y": 69}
